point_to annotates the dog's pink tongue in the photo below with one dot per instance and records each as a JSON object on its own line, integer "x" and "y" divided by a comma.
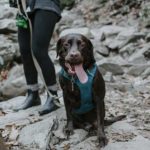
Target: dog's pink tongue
{"x": 81, "y": 74}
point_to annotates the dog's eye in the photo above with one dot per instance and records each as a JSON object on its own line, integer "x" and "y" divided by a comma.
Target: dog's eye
{"x": 66, "y": 45}
{"x": 82, "y": 45}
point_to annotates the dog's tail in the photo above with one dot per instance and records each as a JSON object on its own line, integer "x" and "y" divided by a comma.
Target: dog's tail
{"x": 115, "y": 119}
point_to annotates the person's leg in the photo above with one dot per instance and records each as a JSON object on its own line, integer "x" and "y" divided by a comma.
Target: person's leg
{"x": 25, "y": 50}
{"x": 29, "y": 69}
{"x": 44, "y": 23}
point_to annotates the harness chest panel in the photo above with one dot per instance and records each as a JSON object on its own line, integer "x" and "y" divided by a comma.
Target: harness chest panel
{"x": 85, "y": 90}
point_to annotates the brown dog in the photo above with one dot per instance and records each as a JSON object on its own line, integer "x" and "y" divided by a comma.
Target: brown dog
{"x": 82, "y": 84}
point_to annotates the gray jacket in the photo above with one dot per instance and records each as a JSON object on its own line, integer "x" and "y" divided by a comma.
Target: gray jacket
{"x": 52, "y": 5}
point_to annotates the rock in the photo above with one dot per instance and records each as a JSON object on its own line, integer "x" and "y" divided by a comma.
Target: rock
{"x": 39, "y": 131}
{"x": 137, "y": 70}
{"x": 111, "y": 67}
{"x": 138, "y": 56}
{"x": 110, "y": 30}
{"x": 12, "y": 103}
{"x": 101, "y": 49}
{"x": 98, "y": 34}
{"x": 88, "y": 144}
{"x": 147, "y": 54}
{"x": 78, "y": 136}
{"x": 8, "y": 26}
{"x": 141, "y": 85}
{"x": 67, "y": 3}
{"x": 146, "y": 73}
{"x": 7, "y": 12}
{"x": 128, "y": 35}
{"x": 109, "y": 77}
{"x": 145, "y": 14}
{"x": 15, "y": 84}
{"x": 67, "y": 20}
{"x": 148, "y": 38}
{"x": 121, "y": 86}
{"x": 7, "y": 51}
{"x": 1, "y": 61}
{"x": 122, "y": 127}
{"x": 114, "y": 44}
{"x": 85, "y": 31}
{"x": 137, "y": 143}
{"x": 128, "y": 50}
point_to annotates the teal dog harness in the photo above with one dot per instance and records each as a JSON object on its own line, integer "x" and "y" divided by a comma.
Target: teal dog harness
{"x": 85, "y": 90}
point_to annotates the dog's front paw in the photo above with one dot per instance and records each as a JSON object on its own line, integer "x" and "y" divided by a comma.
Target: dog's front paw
{"x": 69, "y": 129}
{"x": 102, "y": 140}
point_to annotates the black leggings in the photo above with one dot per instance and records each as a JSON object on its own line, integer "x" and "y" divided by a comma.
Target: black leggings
{"x": 43, "y": 23}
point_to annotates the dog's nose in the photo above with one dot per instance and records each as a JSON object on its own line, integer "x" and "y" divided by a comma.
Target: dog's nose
{"x": 74, "y": 54}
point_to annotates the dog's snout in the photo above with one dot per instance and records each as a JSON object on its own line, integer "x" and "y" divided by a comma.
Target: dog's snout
{"x": 74, "y": 54}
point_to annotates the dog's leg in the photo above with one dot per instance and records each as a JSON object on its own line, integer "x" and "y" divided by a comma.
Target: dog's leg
{"x": 98, "y": 95}
{"x": 69, "y": 126}
{"x": 100, "y": 122}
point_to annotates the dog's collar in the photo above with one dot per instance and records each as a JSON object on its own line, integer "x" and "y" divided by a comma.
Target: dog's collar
{"x": 85, "y": 89}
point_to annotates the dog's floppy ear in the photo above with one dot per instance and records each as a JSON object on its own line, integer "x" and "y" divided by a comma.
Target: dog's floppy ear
{"x": 89, "y": 50}
{"x": 89, "y": 44}
{"x": 59, "y": 45}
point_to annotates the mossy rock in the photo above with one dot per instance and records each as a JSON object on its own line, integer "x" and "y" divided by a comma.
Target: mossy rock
{"x": 67, "y": 3}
